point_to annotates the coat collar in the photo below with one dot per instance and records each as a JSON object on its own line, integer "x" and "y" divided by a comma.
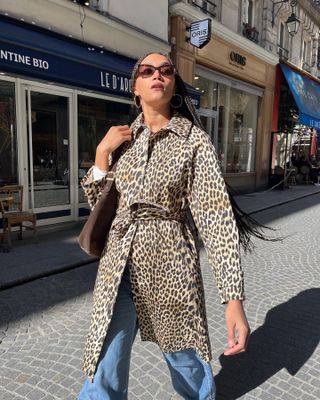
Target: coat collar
{"x": 177, "y": 124}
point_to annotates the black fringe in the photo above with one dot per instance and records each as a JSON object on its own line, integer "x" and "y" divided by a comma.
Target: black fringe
{"x": 248, "y": 227}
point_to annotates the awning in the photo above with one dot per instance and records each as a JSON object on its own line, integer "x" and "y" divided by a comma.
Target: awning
{"x": 36, "y": 52}
{"x": 306, "y": 93}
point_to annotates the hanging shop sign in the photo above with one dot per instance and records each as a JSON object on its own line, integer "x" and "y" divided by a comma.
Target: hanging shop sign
{"x": 200, "y": 33}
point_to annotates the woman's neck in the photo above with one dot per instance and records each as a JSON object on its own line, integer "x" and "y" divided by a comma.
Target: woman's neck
{"x": 155, "y": 119}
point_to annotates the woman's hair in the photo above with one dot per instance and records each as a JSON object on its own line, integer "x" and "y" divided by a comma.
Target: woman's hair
{"x": 186, "y": 108}
{"x": 247, "y": 226}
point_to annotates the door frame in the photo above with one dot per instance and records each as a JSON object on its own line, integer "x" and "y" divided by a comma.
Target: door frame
{"x": 207, "y": 112}
{"x": 24, "y": 89}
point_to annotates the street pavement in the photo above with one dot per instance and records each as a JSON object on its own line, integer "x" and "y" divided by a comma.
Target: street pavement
{"x": 43, "y": 323}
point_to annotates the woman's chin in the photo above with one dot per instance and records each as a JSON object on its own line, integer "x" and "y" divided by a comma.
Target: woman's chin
{"x": 159, "y": 103}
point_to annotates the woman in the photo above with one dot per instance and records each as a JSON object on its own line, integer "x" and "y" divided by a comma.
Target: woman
{"x": 149, "y": 273}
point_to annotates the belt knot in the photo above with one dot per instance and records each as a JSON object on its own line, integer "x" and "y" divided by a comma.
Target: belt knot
{"x": 145, "y": 212}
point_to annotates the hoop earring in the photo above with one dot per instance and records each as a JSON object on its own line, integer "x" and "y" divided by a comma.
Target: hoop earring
{"x": 137, "y": 101}
{"x": 179, "y": 101}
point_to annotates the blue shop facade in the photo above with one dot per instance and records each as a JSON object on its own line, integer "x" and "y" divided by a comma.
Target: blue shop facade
{"x": 58, "y": 97}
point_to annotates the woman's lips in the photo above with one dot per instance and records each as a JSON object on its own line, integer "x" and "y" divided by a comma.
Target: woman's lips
{"x": 158, "y": 87}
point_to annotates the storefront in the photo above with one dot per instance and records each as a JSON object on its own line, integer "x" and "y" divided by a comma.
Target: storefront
{"x": 236, "y": 88}
{"x": 296, "y": 127}
{"x": 58, "y": 97}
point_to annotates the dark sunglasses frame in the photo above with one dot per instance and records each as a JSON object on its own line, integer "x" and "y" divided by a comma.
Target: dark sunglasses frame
{"x": 154, "y": 69}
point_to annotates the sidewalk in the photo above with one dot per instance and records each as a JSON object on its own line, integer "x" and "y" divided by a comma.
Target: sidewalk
{"x": 259, "y": 201}
{"x": 56, "y": 248}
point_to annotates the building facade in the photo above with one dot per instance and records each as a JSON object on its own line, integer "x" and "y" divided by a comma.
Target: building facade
{"x": 296, "y": 113}
{"x": 236, "y": 79}
{"x": 239, "y": 76}
{"x": 64, "y": 80}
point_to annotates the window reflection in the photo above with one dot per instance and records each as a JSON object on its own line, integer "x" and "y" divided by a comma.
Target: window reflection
{"x": 208, "y": 90}
{"x": 95, "y": 117}
{"x": 238, "y": 113}
{"x": 49, "y": 165}
{"x": 237, "y": 123}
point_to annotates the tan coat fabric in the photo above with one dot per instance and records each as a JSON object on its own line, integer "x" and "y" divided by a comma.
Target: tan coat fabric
{"x": 158, "y": 178}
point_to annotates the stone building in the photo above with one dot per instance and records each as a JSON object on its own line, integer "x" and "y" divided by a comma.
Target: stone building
{"x": 240, "y": 100}
{"x": 296, "y": 112}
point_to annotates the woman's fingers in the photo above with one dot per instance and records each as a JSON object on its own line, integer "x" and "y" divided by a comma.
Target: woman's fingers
{"x": 235, "y": 350}
{"x": 240, "y": 345}
{"x": 119, "y": 132}
{"x": 124, "y": 130}
{"x": 237, "y": 324}
{"x": 115, "y": 136}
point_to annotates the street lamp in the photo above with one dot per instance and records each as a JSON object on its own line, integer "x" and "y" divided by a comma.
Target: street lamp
{"x": 292, "y": 22}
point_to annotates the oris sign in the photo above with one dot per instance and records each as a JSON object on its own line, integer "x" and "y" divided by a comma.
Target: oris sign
{"x": 237, "y": 60}
{"x": 200, "y": 33}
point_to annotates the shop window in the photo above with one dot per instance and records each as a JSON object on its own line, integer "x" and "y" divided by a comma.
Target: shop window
{"x": 207, "y": 6}
{"x": 208, "y": 90}
{"x": 95, "y": 117}
{"x": 306, "y": 55}
{"x": 248, "y": 20}
{"x": 8, "y": 138}
{"x": 250, "y": 12}
{"x": 49, "y": 166}
{"x": 283, "y": 42}
{"x": 238, "y": 113}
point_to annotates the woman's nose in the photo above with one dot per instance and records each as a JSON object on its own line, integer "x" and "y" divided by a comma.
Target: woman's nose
{"x": 157, "y": 75}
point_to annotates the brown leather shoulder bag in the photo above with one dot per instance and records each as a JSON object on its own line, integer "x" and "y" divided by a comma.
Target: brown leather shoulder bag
{"x": 94, "y": 234}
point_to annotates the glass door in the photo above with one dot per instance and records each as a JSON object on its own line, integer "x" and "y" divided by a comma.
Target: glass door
{"x": 209, "y": 121}
{"x": 48, "y": 139}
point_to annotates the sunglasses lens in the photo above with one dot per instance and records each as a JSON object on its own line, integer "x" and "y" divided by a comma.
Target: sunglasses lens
{"x": 146, "y": 70}
{"x": 166, "y": 70}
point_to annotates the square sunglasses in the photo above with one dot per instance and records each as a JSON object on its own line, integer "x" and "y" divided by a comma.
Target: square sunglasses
{"x": 146, "y": 70}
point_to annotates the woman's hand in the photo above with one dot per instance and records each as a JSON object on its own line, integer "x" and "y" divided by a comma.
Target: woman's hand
{"x": 238, "y": 328}
{"x": 115, "y": 136}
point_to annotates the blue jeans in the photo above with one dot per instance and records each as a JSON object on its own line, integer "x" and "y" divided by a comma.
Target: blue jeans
{"x": 192, "y": 378}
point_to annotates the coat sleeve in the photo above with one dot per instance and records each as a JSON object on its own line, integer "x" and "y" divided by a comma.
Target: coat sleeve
{"x": 212, "y": 212}
{"x": 93, "y": 188}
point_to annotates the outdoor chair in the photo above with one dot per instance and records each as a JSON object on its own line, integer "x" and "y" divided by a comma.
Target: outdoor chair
{"x": 291, "y": 175}
{"x": 305, "y": 171}
{"x": 12, "y": 213}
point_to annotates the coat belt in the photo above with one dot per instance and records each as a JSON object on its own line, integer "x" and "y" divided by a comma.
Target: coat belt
{"x": 144, "y": 212}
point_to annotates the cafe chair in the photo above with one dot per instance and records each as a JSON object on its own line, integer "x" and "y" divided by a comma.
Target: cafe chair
{"x": 291, "y": 175}
{"x": 13, "y": 214}
{"x": 305, "y": 171}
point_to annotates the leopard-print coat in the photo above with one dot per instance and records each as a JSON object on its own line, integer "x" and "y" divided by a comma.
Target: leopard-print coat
{"x": 158, "y": 178}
